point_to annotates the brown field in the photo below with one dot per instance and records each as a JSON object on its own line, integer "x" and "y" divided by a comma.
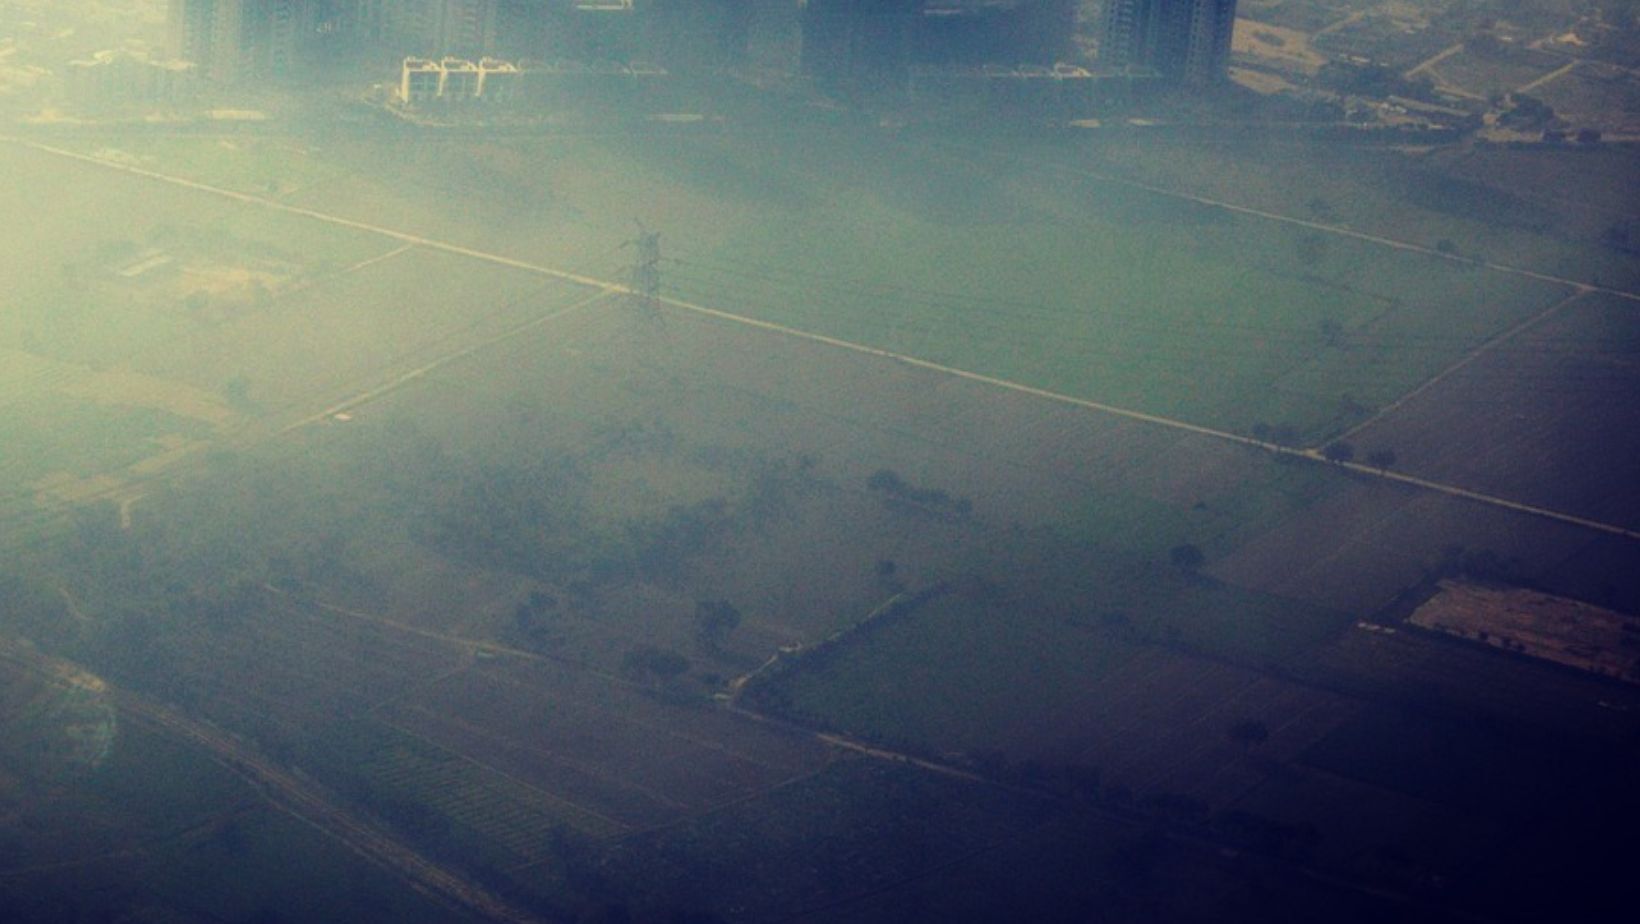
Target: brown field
{"x": 1276, "y": 46}
{"x": 1540, "y": 625}
{"x": 1548, "y": 418}
{"x": 1398, "y": 41}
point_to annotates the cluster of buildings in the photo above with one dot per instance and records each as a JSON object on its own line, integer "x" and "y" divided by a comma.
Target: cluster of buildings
{"x": 117, "y": 77}
{"x": 1178, "y": 40}
{"x": 449, "y": 47}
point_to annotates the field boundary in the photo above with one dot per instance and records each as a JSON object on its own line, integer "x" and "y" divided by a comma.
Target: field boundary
{"x": 1492, "y": 342}
{"x": 1338, "y": 230}
{"x": 606, "y": 287}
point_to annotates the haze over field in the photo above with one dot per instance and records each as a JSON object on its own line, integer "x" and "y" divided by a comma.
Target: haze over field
{"x": 743, "y": 461}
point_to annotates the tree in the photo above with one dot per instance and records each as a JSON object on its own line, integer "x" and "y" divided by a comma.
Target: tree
{"x": 1331, "y": 331}
{"x": 1249, "y": 732}
{"x": 1187, "y": 557}
{"x": 655, "y": 664}
{"x": 1338, "y": 453}
{"x": 714, "y": 620}
{"x": 1381, "y": 459}
{"x": 238, "y": 392}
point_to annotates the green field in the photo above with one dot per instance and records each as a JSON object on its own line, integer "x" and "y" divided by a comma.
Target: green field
{"x": 1011, "y": 268}
{"x": 472, "y": 603}
{"x": 960, "y": 677}
{"x": 161, "y": 831}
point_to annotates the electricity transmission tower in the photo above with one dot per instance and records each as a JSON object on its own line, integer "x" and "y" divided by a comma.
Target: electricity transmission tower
{"x": 646, "y": 270}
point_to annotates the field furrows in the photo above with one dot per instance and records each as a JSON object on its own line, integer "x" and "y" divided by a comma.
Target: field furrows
{"x": 580, "y": 742}
{"x": 298, "y": 666}
{"x": 1408, "y": 663}
{"x": 1547, "y": 418}
{"x": 403, "y": 766}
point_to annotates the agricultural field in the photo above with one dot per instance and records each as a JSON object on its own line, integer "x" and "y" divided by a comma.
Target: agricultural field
{"x": 1595, "y": 95}
{"x": 490, "y": 553}
{"x": 1397, "y": 662}
{"x": 1481, "y": 72}
{"x": 1014, "y": 266}
{"x": 181, "y": 321}
{"x": 1357, "y": 550}
{"x": 139, "y": 831}
{"x": 1544, "y": 211}
{"x": 982, "y": 853}
{"x": 1539, "y": 625}
{"x": 950, "y": 679}
{"x": 1541, "y": 418}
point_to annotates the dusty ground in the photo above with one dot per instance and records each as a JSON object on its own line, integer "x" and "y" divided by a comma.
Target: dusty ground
{"x": 1541, "y": 625}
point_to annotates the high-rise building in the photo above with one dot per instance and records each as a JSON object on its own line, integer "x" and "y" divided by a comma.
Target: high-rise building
{"x": 230, "y": 40}
{"x": 859, "y": 40}
{"x": 972, "y": 33}
{"x": 877, "y": 40}
{"x": 1181, "y": 40}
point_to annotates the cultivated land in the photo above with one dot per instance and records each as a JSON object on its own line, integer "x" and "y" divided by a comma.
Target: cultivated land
{"x": 439, "y": 528}
{"x": 156, "y": 828}
{"x": 995, "y": 265}
{"x": 1546, "y": 416}
{"x": 1543, "y": 626}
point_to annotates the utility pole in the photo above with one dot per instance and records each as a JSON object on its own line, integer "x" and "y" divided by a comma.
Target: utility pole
{"x": 646, "y": 270}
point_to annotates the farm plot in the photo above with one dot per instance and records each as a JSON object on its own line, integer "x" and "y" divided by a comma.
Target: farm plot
{"x": 837, "y": 835}
{"x": 1595, "y": 95}
{"x": 1397, "y": 664}
{"x": 614, "y": 755}
{"x": 278, "y": 663}
{"x": 1487, "y": 203}
{"x": 1109, "y": 293}
{"x": 956, "y": 678}
{"x": 1355, "y": 550}
{"x": 1569, "y": 793}
{"x": 1482, "y": 72}
{"x": 162, "y": 830}
{"x": 1390, "y": 36}
{"x": 1547, "y": 418}
{"x": 114, "y": 263}
{"x": 1105, "y": 292}
{"x": 1378, "y": 834}
{"x": 168, "y": 318}
{"x": 353, "y": 331}
{"x": 825, "y": 502}
{"x": 1539, "y": 625}
{"x": 491, "y": 819}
